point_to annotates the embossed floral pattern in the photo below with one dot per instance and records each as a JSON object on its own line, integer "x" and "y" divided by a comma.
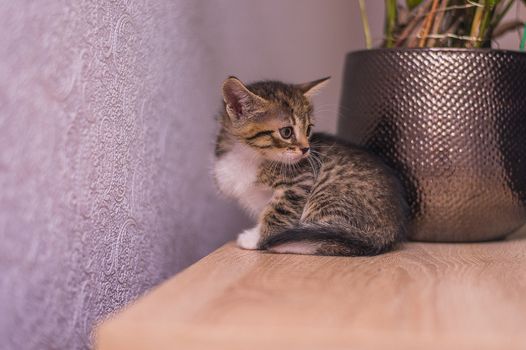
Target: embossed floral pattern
{"x": 100, "y": 196}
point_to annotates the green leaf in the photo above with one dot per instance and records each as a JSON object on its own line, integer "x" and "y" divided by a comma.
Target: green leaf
{"x": 414, "y": 3}
{"x": 523, "y": 40}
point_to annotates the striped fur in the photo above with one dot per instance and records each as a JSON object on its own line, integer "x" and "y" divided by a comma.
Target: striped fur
{"x": 311, "y": 194}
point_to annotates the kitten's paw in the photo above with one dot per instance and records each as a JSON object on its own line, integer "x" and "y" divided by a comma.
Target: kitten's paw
{"x": 249, "y": 239}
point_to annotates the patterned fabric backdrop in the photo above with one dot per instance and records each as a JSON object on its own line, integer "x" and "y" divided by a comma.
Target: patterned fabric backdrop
{"x": 104, "y": 172}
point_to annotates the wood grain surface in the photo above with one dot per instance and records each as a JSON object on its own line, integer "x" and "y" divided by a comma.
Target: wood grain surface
{"x": 422, "y": 296}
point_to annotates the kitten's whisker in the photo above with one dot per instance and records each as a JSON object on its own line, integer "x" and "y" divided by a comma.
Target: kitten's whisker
{"x": 314, "y": 172}
{"x": 319, "y": 163}
{"x": 317, "y": 156}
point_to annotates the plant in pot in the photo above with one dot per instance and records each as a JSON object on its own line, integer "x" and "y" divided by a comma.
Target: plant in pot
{"x": 447, "y": 112}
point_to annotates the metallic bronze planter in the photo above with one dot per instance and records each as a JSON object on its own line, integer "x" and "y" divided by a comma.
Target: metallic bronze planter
{"x": 452, "y": 122}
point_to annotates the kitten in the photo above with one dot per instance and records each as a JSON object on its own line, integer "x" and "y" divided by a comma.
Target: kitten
{"x": 310, "y": 193}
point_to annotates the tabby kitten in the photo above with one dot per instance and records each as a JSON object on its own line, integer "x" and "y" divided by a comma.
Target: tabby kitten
{"x": 310, "y": 193}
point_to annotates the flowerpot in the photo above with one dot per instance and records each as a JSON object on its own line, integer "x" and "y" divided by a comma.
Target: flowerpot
{"x": 452, "y": 123}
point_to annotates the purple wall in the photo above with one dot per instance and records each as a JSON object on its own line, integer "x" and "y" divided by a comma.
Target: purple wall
{"x": 105, "y": 123}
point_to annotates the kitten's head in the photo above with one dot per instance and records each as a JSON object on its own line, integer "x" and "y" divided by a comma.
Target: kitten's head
{"x": 273, "y": 118}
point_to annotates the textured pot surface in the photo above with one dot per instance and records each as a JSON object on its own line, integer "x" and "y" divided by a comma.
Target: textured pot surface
{"x": 452, "y": 122}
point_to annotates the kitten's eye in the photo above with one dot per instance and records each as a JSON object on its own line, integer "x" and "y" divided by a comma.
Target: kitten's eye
{"x": 286, "y": 132}
{"x": 309, "y": 130}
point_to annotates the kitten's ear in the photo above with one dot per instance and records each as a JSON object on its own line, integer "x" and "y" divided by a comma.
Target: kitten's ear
{"x": 241, "y": 104}
{"x": 313, "y": 87}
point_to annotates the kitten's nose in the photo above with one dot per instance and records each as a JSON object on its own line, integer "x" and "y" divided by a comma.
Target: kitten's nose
{"x": 305, "y": 150}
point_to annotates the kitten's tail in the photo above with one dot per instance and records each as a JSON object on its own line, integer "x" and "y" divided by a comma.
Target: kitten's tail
{"x": 327, "y": 240}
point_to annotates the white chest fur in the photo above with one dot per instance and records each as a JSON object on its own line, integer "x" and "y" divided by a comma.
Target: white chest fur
{"x": 236, "y": 174}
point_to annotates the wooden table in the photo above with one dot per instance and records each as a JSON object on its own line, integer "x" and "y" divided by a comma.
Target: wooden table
{"x": 423, "y": 296}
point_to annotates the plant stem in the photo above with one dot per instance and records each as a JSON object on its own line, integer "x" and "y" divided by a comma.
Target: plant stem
{"x": 390, "y": 21}
{"x": 487, "y": 29}
{"x": 481, "y": 23}
{"x": 365, "y": 23}
{"x": 475, "y": 26}
{"x": 523, "y": 41}
{"x": 427, "y": 24}
{"x": 410, "y": 27}
{"x": 438, "y": 22}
